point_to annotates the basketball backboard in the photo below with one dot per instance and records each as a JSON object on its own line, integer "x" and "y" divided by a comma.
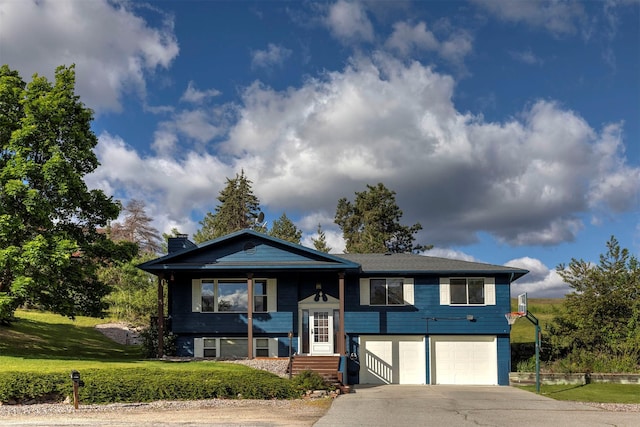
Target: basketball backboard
{"x": 522, "y": 303}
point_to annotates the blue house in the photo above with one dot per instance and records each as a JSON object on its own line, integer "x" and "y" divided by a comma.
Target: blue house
{"x": 391, "y": 318}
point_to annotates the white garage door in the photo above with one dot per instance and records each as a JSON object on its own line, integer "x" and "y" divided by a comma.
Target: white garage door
{"x": 392, "y": 359}
{"x": 469, "y": 360}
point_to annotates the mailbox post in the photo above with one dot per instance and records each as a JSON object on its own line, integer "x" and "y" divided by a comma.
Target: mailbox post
{"x": 77, "y": 383}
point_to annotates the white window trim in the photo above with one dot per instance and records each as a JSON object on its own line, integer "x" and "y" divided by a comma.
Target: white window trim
{"x": 198, "y": 346}
{"x": 196, "y": 294}
{"x": 407, "y": 291}
{"x": 489, "y": 291}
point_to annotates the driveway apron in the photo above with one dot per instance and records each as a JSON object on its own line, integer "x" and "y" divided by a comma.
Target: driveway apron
{"x": 403, "y": 405}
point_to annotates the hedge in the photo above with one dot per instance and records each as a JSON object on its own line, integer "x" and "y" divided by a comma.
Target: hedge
{"x": 145, "y": 385}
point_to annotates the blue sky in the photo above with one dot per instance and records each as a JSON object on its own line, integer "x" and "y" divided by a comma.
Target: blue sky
{"x": 509, "y": 129}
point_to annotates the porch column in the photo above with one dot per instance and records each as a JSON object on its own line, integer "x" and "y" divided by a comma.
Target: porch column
{"x": 341, "y": 334}
{"x": 250, "y": 315}
{"x": 160, "y": 317}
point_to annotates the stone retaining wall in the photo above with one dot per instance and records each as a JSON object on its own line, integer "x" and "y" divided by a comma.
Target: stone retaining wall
{"x": 526, "y": 378}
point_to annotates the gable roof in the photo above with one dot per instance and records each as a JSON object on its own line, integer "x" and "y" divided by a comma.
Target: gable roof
{"x": 412, "y": 263}
{"x": 247, "y": 249}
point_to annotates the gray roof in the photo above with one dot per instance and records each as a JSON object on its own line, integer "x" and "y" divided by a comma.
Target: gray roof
{"x": 412, "y": 263}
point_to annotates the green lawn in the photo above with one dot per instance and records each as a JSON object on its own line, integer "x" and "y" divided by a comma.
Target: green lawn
{"x": 604, "y": 393}
{"x": 544, "y": 309}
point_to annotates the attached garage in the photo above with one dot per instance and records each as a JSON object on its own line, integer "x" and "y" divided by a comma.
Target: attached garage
{"x": 392, "y": 359}
{"x": 469, "y": 360}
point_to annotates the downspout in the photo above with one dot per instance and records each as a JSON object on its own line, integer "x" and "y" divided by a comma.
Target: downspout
{"x": 250, "y": 315}
{"x": 160, "y": 317}
{"x": 341, "y": 332}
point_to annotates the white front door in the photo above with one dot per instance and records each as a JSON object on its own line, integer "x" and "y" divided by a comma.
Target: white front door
{"x": 321, "y": 332}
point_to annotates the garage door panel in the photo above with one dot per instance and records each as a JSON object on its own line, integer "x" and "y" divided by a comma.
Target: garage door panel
{"x": 464, "y": 360}
{"x": 389, "y": 359}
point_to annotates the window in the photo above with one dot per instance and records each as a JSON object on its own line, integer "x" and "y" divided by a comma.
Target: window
{"x": 262, "y": 347}
{"x": 233, "y": 348}
{"x": 260, "y": 295}
{"x": 386, "y": 291}
{"x": 209, "y": 347}
{"x": 467, "y": 291}
{"x": 230, "y": 295}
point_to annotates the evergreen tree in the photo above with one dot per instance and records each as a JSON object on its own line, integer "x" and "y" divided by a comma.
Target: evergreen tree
{"x": 50, "y": 244}
{"x": 320, "y": 243}
{"x": 371, "y": 224}
{"x": 283, "y": 228}
{"x": 239, "y": 209}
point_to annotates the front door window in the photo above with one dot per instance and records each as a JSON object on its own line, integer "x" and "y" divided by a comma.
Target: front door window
{"x": 321, "y": 332}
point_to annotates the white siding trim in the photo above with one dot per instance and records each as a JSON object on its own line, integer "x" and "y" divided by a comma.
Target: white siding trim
{"x": 407, "y": 291}
{"x": 490, "y": 291}
{"x": 272, "y": 295}
{"x": 445, "y": 296}
{"x": 198, "y": 347}
{"x": 196, "y": 297}
{"x": 364, "y": 292}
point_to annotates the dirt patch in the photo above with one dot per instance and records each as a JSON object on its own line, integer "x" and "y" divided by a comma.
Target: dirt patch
{"x": 192, "y": 413}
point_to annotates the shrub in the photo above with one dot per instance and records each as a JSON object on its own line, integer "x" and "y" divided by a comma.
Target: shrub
{"x": 145, "y": 385}
{"x": 149, "y": 337}
{"x": 309, "y": 380}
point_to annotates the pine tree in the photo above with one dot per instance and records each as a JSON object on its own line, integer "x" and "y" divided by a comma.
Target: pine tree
{"x": 283, "y": 228}
{"x": 137, "y": 228}
{"x": 239, "y": 209}
{"x": 321, "y": 242}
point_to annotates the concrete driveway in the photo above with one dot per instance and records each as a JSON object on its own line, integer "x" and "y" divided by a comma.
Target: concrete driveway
{"x": 450, "y": 406}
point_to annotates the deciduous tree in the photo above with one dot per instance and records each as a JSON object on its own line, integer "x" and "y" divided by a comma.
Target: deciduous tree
{"x": 371, "y": 224}
{"x": 50, "y": 245}
{"x": 602, "y": 315}
{"x": 136, "y": 228}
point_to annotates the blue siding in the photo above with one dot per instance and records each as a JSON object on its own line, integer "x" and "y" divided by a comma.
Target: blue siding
{"x": 504, "y": 359}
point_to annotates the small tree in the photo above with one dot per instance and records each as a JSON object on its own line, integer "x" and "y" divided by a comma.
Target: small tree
{"x": 603, "y": 310}
{"x": 283, "y": 228}
{"x": 320, "y": 243}
{"x": 371, "y": 224}
{"x": 239, "y": 209}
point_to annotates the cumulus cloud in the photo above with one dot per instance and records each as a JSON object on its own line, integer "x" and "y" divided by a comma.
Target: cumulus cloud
{"x": 274, "y": 55}
{"x": 558, "y": 17}
{"x": 527, "y": 180}
{"x": 196, "y": 96}
{"x": 540, "y": 282}
{"x": 348, "y": 22}
{"x": 114, "y": 55}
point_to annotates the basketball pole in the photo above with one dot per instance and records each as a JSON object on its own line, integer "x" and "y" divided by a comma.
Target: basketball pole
{"x": 533, "y": 319}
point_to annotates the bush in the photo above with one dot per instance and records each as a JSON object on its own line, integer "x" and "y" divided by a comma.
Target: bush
{"x": 150, "y": 342}
{"x": 309, "y": 380}
{"x": 145, "y": 385}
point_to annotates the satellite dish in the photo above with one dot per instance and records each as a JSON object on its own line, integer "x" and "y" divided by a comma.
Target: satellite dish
{"x": 260, "y": 217}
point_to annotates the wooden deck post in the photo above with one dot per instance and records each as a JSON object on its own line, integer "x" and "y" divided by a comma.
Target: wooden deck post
{"x": 341, "y": 334}
{"x": 160, "y": 318}
{"x": 250, "y": 316}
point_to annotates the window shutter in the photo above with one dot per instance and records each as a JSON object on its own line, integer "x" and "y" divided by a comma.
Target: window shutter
{"x": 407, "y": 291}
{"x": 272, "y": 295}
{"x": 490, "y": 291}
{"x": 198, "y": 347}
{"x": 364, "y": 292}
{"x": 444, "y": 291}
{"x": 196, "y": 297}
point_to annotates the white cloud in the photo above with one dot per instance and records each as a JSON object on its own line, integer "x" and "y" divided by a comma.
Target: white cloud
{"x": 274, "y": 55}
{"x": 540, "y": 282}
{"x": 195, "y": 96}
{"x": 526, "y": 57}
{"x": 557, "y": 17}
{"x": 406, "y": 38}
{"x": 113, "y": 48}
{"x": 348, "y": 22}
{"x": 528, "y": 180}
{"x": 450, "y": 254}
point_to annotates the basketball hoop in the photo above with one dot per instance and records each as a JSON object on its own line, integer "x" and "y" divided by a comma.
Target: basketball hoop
{"x": 513, "y": 316}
